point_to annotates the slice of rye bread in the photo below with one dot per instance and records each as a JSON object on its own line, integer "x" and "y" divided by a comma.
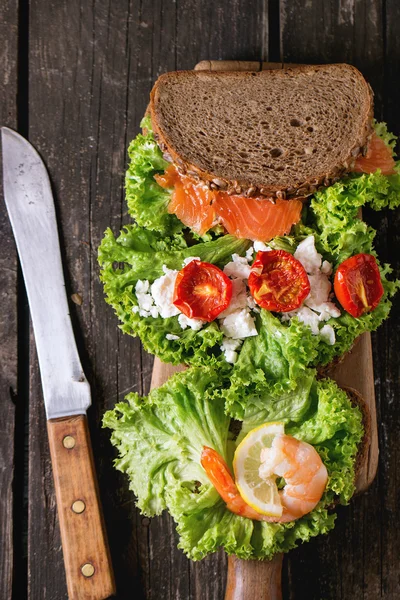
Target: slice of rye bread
{"x": 280, "y": 133}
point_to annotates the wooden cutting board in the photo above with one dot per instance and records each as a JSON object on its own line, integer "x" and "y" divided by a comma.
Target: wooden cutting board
{"x": 261, "y": 580}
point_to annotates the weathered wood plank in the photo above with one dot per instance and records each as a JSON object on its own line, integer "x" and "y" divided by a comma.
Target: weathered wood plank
{"x": 357, "y": 559}
{"x": 89, "y": 88}
{"x": 77, "y": 120}
{"x": 386, "y": 354}
{"x": 8, "y": 298}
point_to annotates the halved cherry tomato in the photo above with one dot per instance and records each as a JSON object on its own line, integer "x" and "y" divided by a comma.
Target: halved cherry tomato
{"x": 278, "y": 281}
{"x": 358, "y": 285}
{"x": 202, "y": 291}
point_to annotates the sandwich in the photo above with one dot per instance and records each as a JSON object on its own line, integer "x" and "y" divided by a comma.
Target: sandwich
{"x": 321, "y": 250}
{"x": 246, "y": 259}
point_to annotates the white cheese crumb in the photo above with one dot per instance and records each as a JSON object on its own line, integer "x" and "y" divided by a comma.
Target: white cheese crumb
{"x": 261, "y": 247}
{"x": 328, "y": 334}
{"x": 145, "y": 306}
{"x": 320, "y": 290}
{"x": 328, "y": 310}
{"x": 251, "y": 303}
{"x": 239, "y": 267}
{"x": 171, "y": 336}
{"x": 308, "y": 256}
{"x": 162, "y": 291}
{"x": 195, "y": 324}
{"x": 306, "y": 316}
{"x": 239, "y": 324}
{"x": 229, "y": 347}
{"x": 239, "y": 298}
{"x": 142, "y": 287}
{"x": 189, "y": 259}
{"x": 249, "y": 254}
{"x": 326, "y": 268}
{"x": 154, "y": 312}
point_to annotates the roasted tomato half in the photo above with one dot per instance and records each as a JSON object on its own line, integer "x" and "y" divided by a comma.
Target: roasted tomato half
{"x": 202, "y": 291}
{"x": 358, "y": 285}
{"x": 278, "y": 281}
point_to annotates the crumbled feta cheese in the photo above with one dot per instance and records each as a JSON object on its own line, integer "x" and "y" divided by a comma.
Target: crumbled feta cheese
{"x": 328, "y": 334}
{"x": 328, "y": 310}
{"x": 145, "y": 301}
{"x": 171, "y": 337}
{"x": 239, "y": 267}
{"x": 229, "y": 347}
{"x": 195, "y": 324}
{"x": 142, "y": 287}
{"x": 189, "y": 259}
{"x": 308, "y": 256}
{"x": 154, "y": 312}
{"x": 251, "y": 303}
{"x": 162, "y": 291}
{"x": 326, "y": 268}
{"x": 249, "y": 254}
{"x": 320, "y": 290}
{"x": 239, "y": 298}
{"x": 261, "y": 247}
{"x": 318, "y": 298}
{"x": 306, "y": 316}
{"x": 145, "y": 306}
{"x": 239, "y": 324}
{"x": 317, "y": 307}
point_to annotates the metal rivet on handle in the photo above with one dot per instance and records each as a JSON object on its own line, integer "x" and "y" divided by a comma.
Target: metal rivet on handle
{"x": 87, "y": 570}
{"x": 69, "y": 442}
{"x": 78, "y": 506}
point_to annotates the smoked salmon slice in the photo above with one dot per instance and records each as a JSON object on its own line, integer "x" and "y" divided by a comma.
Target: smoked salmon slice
{"x": 253, "y": 218}
{"x": 190, "y": 201}
{"x": 257, "y": 218}
{"x": 378, "y": 156}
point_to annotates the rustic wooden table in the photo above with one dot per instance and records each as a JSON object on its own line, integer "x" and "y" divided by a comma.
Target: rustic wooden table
{"x": 75, "y": 81}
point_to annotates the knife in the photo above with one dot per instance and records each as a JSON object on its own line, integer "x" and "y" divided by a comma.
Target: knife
{"x": 66, "y": 392}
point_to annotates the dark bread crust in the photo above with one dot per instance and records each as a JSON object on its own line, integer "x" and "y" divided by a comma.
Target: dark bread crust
{"x": 287, "y": 177}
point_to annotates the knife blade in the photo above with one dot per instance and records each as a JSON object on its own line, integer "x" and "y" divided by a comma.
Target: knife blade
{"x": 29, "y": 201}
{"x": 66, "y": 391}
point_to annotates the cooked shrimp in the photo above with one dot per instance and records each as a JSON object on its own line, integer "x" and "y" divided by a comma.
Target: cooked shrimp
{"x": 303, "y": 470}
{"x": 298, "y": 462}
{"x": 218, "y": 473}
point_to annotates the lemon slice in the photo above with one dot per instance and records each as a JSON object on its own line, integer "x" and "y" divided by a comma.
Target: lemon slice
{"x": 261, "y": 494}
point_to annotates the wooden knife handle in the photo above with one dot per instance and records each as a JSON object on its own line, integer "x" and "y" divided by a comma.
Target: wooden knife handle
{"x": 84, "y": 540}
{"x": 254, "y": 579}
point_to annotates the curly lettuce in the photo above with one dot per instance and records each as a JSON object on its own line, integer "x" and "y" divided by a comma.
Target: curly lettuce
{"x": 147, "y": 201}
{"x": 160, "y": 439}
{"x": 141, "y": 254}
{"x": 272, "y": 363}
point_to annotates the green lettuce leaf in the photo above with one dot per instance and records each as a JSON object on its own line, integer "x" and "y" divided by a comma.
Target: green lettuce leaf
{"x": 160, "y": 439}
{"x": 382, "y": 131}
{"x": 147, "y": 201}
{"x": 271, "y": 363}
{"x": 140, "y": 254}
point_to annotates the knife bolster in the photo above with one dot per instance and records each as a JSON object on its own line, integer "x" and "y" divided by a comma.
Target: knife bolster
{"x": 84, "y": 540}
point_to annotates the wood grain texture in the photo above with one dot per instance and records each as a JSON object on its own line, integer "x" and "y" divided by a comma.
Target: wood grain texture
{"x": 91, "y": 67}
{"x": 8, "y": 314}
{"x": 86, "y": 553}
{"x": 357, "y": 32}
{"x": 250, "y": 579}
